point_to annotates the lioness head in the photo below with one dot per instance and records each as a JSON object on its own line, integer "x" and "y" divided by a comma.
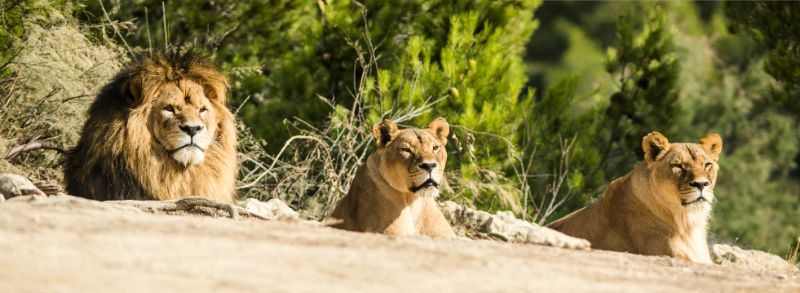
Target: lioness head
{"x": 412, "y": 159}
{"x": 185, "y": 99}
{"x": 686, "y": 172}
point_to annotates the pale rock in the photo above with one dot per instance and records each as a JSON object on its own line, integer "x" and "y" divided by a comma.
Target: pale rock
{"x": 274, "y": 209}
{"x": 729, "y": 255}
{"x": 504, "y": 226}
{"x": 12, "y": 185}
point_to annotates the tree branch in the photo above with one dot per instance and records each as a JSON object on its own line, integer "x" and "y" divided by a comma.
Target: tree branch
{"x": 48, "y": 145}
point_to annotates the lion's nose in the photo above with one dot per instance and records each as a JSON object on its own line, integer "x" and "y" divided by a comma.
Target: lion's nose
{"x": 700, "y": 184}
{"x": 191, "y": 130}
{"x": 428, "y": 166}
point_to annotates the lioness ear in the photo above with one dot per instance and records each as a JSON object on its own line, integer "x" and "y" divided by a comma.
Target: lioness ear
{"x": 440, "y": 128}
{"x": 655, "y": 146}
{"x": 384, "y": 132}
{"x": 712, "y": 143}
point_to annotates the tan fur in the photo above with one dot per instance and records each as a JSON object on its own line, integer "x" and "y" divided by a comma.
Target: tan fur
{"x": 648, "y": 211}
{"x": 133, "y": 147}
{"x": 385, "y": 196}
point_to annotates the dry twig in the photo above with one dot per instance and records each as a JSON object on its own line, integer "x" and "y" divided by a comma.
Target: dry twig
{"x": 48, "y": 145}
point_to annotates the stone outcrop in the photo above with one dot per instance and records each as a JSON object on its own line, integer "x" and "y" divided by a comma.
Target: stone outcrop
{"x": 505, "y": 227}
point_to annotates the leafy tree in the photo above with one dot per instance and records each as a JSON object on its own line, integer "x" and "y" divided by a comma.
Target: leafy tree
{"x": 646, "y": 70}
{"x": 775, "y": 24}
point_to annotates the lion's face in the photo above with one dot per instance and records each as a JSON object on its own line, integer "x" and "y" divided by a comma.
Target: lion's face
{"x": 413, "y": 159}
{"x": 183, "y": 121}
{"x": 686, "y": 172}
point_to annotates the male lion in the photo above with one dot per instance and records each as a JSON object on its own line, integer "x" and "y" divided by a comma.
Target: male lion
{"x": 160, "y": 130}
{"x": 394, "y": 192}
{"x": 660, "y": 208}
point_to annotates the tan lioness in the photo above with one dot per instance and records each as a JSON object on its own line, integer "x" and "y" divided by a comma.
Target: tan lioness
{"x": 660, "y": 208}
{"x": 394, "y": 192}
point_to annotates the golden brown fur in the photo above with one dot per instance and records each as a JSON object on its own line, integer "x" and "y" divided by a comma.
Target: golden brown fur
{"x": 658, "y": 208}
{"x": 394, "y": 192}
{"x": 160, "y": 130}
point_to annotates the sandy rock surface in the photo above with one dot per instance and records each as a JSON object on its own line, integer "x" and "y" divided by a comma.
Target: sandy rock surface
{"x": 65, "y": 244}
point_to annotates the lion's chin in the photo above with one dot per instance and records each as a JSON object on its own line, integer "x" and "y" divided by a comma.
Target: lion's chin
{"x": 189, "y": 156}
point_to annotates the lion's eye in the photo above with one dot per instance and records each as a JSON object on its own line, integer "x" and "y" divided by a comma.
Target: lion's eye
{"x": 435, "y": 148}
{"x": 708, "y": 166}
{"x": 203, "y": 109}
{"x": 170, "y": 109}
{"x": 406, "y": 150}
{"x": 679, "y": 166}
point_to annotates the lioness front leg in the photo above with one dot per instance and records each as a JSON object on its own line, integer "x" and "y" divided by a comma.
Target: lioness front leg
{"x": 402, "y": 226}
{"x": 433, "y": 223}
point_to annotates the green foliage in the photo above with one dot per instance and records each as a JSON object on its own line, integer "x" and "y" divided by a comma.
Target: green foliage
{"x": 775, "y": 24}
{"x": 560, "y": 146}
{"x": 646, "y": 70}
{"x": 472, "y": 74}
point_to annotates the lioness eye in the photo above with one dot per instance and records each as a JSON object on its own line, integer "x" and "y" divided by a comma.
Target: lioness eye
{"x": 170, "y": 109}
{"x": 679, "y": 166}
{"x": 708, "y": 166}
{"x": 203, "y": 110}
{"x": 435, "y": 148}
{"x": 407, "y": 150}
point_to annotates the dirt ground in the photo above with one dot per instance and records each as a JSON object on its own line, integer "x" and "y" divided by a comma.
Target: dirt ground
{"x": 84, "y": 246}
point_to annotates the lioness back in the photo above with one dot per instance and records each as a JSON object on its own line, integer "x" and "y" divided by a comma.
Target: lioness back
{"x": 159, "y": 130}
{"x": 660, "y": 208}
{"x": 394, "y": 191}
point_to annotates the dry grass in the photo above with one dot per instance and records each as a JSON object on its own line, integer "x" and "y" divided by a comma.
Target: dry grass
{"x": 56, "y": 75}
{"x": 794, "y": 254}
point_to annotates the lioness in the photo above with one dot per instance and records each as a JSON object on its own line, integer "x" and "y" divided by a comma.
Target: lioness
{"x": 393, "y": 193}
{"x": 660, "y": 208}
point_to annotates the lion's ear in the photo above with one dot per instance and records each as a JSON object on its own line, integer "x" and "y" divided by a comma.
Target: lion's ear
{"x": 712, "y": 144}
{"x": 384, "y": 132}
{"x": 132, "y": 89}
{"x": 655, "y": 146}
{"x": 216, "y": 89}
{"x": 440, "y": 128}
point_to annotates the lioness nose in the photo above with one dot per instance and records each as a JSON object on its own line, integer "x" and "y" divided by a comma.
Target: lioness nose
{"x": 427, "y": 166}
{"x": 191, "y": 130}
{"x": 700, "y": 184}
